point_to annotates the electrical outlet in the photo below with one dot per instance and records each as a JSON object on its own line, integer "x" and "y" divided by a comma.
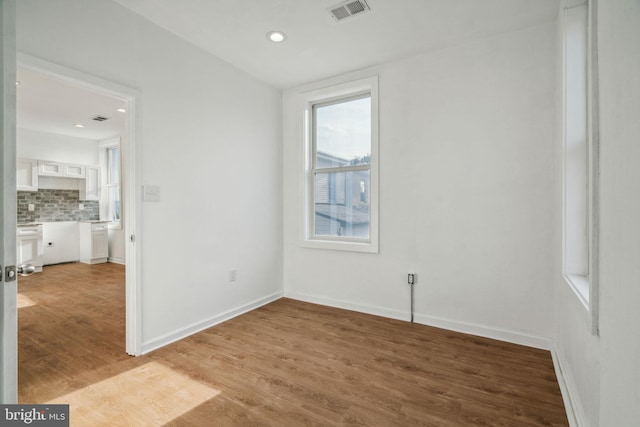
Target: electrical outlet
{"x": 31, "y": 207}
{"x": 411, "y": 278}
{"x": 81, "y": 206}
{"x": 233, "y": 275}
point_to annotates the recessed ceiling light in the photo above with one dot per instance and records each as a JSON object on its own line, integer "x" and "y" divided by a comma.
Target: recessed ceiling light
{"x": 276, "y": 36}
{"x": 78, "y": 125}
{"x": 121, "y": 110}
{"x": 17, "y": 83}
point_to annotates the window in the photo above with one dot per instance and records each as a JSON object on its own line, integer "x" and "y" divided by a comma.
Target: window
{"x": 580, "y": 160}
{"x": 341, "y": 209}
{"x": 114, "y": 208}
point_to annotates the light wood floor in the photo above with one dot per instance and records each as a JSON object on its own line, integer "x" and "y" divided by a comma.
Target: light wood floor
{"x": 286, "y": 364}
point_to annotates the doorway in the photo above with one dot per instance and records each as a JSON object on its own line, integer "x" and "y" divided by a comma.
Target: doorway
{"x": 82, "y": 90}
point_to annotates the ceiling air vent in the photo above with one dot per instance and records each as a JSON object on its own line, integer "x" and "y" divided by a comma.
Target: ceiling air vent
{"x": 99, "y": 118}
{"x": 348, "y": 10}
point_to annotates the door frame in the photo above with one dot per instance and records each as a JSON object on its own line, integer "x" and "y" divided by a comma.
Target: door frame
{"x": 131, "y": 175}
{"x": 8, "y": 293}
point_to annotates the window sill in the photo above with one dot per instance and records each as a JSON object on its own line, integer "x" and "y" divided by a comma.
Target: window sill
{"x": 580, "y": 286}
{"x": 340, "y": 246}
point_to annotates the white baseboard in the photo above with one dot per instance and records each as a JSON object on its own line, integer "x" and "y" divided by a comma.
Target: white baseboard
{"x": 377, "y": 311}
{"x": 117, "y": 260}
{"x": 207, "y": 323}
{"x": 575, "y": 413}
{"x": 484, "y": 331}
{"x": 467, "y": 328}
{"x": 59, "y": 260}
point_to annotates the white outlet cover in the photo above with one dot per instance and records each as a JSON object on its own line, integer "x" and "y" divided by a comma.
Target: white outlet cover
{"x": 151, "y": 193}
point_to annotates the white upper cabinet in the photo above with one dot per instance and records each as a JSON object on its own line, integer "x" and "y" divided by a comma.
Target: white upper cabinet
{"x": 67, "y": 170}
{"x": 46, "y": 168}
{"x": 74, "y": 171}
{"x": 92, "y": 183}
{"x": 27, "y": 174}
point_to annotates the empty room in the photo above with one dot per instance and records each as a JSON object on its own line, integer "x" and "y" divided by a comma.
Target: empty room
{"x": 312, "y": 212}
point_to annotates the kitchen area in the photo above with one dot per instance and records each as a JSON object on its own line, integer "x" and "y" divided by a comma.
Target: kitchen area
{"x": 68, "y": 173}
{"x": 58, "y": 225}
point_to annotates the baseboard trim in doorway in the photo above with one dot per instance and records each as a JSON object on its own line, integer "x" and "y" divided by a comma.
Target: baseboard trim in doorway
{"x": 207, "y": 323}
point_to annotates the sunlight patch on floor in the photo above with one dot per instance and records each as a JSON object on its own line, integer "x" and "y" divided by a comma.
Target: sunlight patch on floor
{"x": 166, "y": 394}
{"x": 25, "y": 301}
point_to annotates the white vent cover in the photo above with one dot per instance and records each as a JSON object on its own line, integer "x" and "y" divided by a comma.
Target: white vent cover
{"x": 348, "y": 10}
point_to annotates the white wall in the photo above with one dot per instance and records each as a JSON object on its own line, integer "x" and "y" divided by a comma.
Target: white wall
{"x": 603, "y": 372}
{"x": 33, "y": 144}
{"x": 619, "y": 57}
{"x": 467, "y": 192}
{"x": 578, "y": 353}
{"x": 210, "y": 141}
{"x": 577, "y": 350}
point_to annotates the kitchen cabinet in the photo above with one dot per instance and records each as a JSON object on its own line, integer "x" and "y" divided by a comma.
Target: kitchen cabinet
{"x": 91, "y": 184}
{"x": 27, "y": 175}
{"x": 58, "y": 169}
{"x": 94, "y": 242}
{"x": 30, "y": 246}
{"x": 61, "y": 242}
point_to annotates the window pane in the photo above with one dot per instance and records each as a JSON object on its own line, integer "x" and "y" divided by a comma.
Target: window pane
{"x": 342, "y": 204}
{"x": 114, "y": 165}
{"x": 114, "y": 203}
{"x": 343, "y": 133}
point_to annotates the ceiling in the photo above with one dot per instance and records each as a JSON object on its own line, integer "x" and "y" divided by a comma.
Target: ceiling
{"x": 47, "y": 104}
{"x": 318, "y": 47}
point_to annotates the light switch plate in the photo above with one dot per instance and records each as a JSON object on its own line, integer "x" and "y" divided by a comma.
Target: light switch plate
{"x": 151, "y": 193}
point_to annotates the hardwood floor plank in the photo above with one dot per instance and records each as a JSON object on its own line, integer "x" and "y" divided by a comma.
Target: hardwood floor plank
{"x": 288, "y": 363}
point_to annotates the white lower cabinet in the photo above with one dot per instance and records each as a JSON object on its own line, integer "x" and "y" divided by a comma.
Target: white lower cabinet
{"x": 30, "y": 246}
{"x": 94, "y": 242}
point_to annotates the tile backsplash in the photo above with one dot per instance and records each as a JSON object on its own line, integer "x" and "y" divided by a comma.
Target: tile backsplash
{"x": 55, "y": 205}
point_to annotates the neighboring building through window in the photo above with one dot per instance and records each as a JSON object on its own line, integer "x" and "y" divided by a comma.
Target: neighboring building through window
{"x": 341, "y": 188}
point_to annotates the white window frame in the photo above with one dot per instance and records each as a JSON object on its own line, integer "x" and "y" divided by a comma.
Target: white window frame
{"x": 326, "y": 95}
{"x": 105, "y": 146}
{"x": 580, "y": 183}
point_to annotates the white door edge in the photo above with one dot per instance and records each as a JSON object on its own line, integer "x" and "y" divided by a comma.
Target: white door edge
{"x": 8, "y": 293}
